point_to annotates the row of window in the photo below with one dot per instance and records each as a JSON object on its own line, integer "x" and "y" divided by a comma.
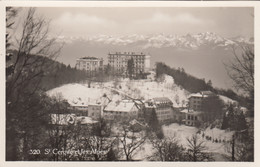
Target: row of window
{"x": 163, "y": 117}
{"x": 196, "y": 107}
{"x": 191, "y": 117}
{"x": 115, "y": 113}
{"x": 94, "y": 108}
{"x": 131, "y": 56}
{"x": 83, "y": 62}
{"x": 164, "y": 113}
{"x": 196, "y": 101}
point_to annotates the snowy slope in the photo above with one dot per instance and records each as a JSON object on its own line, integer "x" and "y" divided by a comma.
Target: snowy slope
{"x": 80, "y": 94}
{"x": 147, "y": 89}
{"x": 141, "y": 89}
{"x": 182, "y": 132}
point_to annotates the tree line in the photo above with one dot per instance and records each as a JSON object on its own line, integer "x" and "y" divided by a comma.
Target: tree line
{"x": 194, "y": 84}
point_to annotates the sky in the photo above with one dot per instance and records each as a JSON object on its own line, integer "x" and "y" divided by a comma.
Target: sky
{"x": 75, "y": 21}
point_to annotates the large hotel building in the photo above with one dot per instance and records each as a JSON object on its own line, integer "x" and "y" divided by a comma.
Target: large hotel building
{"x": 118, "y": 61}
{"x": 90, "y": 64}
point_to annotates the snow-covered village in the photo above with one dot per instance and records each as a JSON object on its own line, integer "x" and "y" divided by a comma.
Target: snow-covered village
{"x": 127, "y": 97}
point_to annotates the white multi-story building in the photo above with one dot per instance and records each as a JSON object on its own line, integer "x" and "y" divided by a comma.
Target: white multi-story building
{"x": 90, "y": 64}
{"x": 118, "y": 61}
{"x": 163, "y": 108}
{"x": 196, "y": 99}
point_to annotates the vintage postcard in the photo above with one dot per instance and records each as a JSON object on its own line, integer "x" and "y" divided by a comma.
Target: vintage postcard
{"x": 129, "y": 82}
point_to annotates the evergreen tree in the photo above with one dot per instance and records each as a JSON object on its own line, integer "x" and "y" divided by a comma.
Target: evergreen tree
{"x": 153, "y": 123}
{"x": 130, "y": 68}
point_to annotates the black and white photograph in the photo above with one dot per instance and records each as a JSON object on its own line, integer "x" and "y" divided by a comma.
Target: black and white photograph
{"x": 140, "y": 83}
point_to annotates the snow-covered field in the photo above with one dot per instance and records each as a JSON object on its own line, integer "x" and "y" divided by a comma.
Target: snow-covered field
{"x": 81, "y": 94}
{"x": 143, "y": 89}
{"x": 182, "y": 132}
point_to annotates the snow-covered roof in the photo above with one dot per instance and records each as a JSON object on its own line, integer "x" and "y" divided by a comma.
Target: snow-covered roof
{"x": 162, "y": 100}
{"x": 122, "y": 106}
{"x": 201, "y": 94}
{"x": 85, "y": 120}
{"x": 197, "y": 95}
{"x": 184, "y": 111}
{"x": 207, "y": 92}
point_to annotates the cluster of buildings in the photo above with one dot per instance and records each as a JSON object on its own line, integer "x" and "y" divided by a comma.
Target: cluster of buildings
{"x": 118, "y": 61}
{"x": 86, "y": 112}
{"x": 129, "y": 108}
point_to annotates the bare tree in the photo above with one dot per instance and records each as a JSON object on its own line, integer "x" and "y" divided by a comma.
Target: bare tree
{"x": 29, "y": 61}
{"x": 196, "y": 149}
{"x": 167, "y": 149}
{"x": 241, "y": 71}
{"x": 241, "y": 146}
{"x": 10, "y": 15}
{"x": 130, "y": 141}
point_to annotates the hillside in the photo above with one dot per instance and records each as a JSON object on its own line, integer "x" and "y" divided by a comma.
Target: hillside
{"x": 116, "y": 90}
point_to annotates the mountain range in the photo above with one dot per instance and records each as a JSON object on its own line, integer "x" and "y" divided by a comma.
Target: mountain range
{"x": 189, "y": 41}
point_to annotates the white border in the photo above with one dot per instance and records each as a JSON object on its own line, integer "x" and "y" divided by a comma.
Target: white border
{"x": 3, "y": 4}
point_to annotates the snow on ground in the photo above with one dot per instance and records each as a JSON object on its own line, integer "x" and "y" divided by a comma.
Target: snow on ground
{"x": 144, "y": 152}
{"x": 143, "y": 89}
{"x": 182, "y": 132}
{"x": 80, "y": 93}
{"x": 219, "y": 134}
{"x": 147, "y": 89}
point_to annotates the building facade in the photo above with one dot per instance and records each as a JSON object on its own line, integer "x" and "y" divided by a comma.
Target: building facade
{"x": 89, "y": 64}
{"x": 194, "y": 113}
{"x": 119, "y": 60}
{"x": 94, "y": 111}
{"x": 196, "y": 99}
{"x": 193, "y": 118}
{"x": 163, "y": 108}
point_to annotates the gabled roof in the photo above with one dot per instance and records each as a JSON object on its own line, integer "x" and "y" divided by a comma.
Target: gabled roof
{"x": 201, "y": 94}
{"x": 162, "y": 100}
{"x": 122, "y": 106}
